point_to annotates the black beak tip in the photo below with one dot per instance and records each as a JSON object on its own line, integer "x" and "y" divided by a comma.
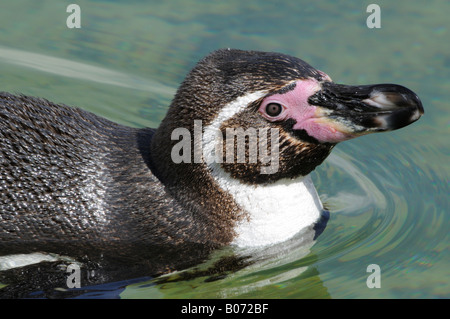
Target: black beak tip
{"x": 409, "y": 109}
{"x": 411, "y": 98}
{"x": 419, "y": 105}
{"x": 414, "y": 105}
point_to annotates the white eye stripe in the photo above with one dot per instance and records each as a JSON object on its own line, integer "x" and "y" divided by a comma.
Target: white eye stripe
{"x": 236, "y": 106}
{"x": 227, "y": 112}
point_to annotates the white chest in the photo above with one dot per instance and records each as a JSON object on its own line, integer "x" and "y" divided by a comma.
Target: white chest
{"x": 276, "y": 212}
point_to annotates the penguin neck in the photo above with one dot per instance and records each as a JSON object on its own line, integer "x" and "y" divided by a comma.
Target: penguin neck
{"x": 274, "y": 212}
{"x": 192, "y": 186}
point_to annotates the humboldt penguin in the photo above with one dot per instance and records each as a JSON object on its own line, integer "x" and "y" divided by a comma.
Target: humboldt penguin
{"x": 228, "y": 165}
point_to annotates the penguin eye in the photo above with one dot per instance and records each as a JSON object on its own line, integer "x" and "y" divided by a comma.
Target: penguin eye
{"x": 273, "y": 109}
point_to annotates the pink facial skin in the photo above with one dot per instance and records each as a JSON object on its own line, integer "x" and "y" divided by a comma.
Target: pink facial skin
{"x": 308, "y": 117}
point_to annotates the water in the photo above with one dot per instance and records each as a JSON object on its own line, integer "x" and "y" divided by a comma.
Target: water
{"x": 387, "y": 193}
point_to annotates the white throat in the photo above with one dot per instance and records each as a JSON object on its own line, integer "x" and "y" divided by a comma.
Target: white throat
{"x": 277, "y": 211}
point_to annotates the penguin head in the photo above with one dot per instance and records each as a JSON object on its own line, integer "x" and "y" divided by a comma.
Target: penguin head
{"x": 267, "y": 116}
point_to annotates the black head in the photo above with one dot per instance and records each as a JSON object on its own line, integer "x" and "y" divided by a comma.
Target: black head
{"x": 275, "y": 102}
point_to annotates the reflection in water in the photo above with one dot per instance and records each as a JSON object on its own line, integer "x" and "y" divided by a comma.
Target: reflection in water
{"x": 271, "y": 268}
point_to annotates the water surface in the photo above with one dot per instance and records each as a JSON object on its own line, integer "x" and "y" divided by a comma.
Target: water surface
{"x": 387, "y": 193}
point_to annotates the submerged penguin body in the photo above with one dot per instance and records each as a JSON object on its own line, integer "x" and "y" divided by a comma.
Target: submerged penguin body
{"x": 73, "y": 183}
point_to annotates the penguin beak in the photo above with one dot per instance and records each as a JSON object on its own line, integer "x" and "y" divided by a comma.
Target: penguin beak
{"x": 344, "y": 112}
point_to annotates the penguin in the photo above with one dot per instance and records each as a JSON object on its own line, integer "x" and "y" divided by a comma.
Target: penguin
{"x": 75, "y": 184}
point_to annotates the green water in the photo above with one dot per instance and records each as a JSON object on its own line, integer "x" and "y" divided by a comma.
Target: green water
{"x": 388, "y": 193}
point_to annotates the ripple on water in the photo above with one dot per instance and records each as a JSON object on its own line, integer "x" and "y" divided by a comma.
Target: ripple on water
{"x": 388, "y": 209}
